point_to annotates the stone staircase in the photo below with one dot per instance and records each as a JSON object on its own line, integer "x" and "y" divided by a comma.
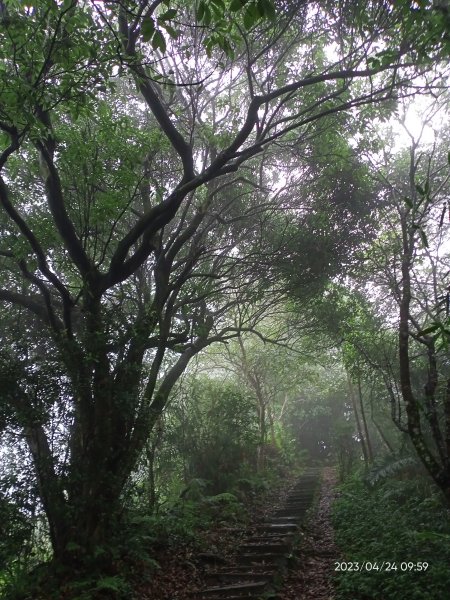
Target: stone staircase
{"x": 257, "y": 566}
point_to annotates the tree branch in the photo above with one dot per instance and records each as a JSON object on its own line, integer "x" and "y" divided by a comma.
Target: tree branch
{"x": 33, "y": 305}
{"x": 62, "y": 221}
{"x": 38, "y": 251}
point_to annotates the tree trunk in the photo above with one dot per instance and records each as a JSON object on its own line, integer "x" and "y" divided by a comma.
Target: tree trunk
{"x": 364, "y": 422}
{"x": 255, "y": 383}
{"x": 151, "y": 449}
{"x": 357, "y": 420}
{"x": 273, "y": 436}
{"x": 84, "y": 508}
{"x": 260, "y": 458}
{"x": 440, "y": 472}
{"x": 49, "y": 487}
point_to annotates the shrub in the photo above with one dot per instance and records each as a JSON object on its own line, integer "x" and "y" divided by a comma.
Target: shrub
{"x": 396, "y": 522}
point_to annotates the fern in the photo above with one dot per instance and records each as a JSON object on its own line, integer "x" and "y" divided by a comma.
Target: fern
{"x": 431, "y": 536}
{"x": 392, "y": 467}
{"x": 115, "y": 584}
{"x": 195, "y": 489}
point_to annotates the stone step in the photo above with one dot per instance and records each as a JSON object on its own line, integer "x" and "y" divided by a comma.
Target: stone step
{"x": 296, "y": 504}
{"x": 277, "y": 528}
{"x": 270, "y": 538}
{"x": 264, "y": 570}
{"x": 251, "y": 595}
{"x": 309, "y": 486}
{"x": 274, "y": 520}
{"x": 303, "y": 487}
{"x": 238, "y": 576}
{"x": 257, "y": 566}
{"x": 266, "y": 558}
{"x": 238, "y": 590}
{"x": 275, "y": 548}
{"x": 300, "y": 498}
{"x": 292, "y": 513}
{"x": 303, "y": 491}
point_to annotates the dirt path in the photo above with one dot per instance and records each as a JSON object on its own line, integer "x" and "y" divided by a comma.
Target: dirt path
{"x": 311, "y": 578}
{"x": 251, "y": 558}
{"x": 260, "y": 558}
{"x": 184, "y": 570}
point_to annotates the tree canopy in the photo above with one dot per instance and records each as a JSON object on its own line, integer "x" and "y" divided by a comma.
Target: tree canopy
{"x": 170, "y": 174}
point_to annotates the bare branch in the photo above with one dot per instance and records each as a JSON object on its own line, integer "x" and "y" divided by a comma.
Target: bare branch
{"x": 32, "y": 304}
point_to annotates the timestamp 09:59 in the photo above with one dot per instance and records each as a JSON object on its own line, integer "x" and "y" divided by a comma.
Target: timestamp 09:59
{"x": 385, "y": 566}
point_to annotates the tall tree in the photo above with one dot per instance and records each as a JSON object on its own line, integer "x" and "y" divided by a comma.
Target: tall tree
{"x": 411, "y": 264}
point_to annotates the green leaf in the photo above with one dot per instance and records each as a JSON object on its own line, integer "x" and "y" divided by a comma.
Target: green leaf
{"x": 227, "y": 48}
{"x": 147, "y": 28}
{"x": 408, "y": 202}
{"x": 420, "y": 189}
{"x": 208, "y": 48}
{"x": 111, "y": 584}
{"x": 374, "y": 63}
{"x": 268, "y": 8}
{"x": 430, "y": 536}
{"x": 236, "y": 5}
{"x": 251, "y": 16}
{"x": 260, "y": 8}
{"x": 158, "y": 41}
{"x": 171, "y": 31}
{"x": 73, "y": 547}
{"x": 207, "y": 17}
{"x": 201, "y": 11}
{"x": 204, "y": 13}
{"x": 168, "y": 15}
{"x": 218, "y": 7}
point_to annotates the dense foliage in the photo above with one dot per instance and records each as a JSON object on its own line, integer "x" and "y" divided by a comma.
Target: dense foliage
{"x": 392, "y": 528}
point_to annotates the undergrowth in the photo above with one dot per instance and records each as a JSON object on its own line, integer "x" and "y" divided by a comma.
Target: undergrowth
{"x": 131, "y": 555}
{"x": 396, "y": 522}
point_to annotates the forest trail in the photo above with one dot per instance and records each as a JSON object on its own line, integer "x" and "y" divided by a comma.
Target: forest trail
{"x": 258, "y": 568}
{"x": 311, "y": 578}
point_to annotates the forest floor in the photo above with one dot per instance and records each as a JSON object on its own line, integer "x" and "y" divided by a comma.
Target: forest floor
{"x": 309, "y": 578}
{"x": 312, "y": 576}
{"x": 183, "y": 569}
